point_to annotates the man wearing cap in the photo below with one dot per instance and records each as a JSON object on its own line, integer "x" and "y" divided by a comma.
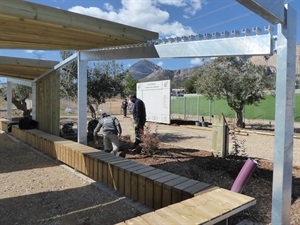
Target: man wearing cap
{"x": 111, "y": 132}
{"x": 139, "y": 117}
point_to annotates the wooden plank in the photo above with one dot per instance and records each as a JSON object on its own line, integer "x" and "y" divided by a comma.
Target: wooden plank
{"x": 196, "y": 189}
{"x": 127, "y": 178}
{"x": 178, "y": 190}
{"x": 172, "y": 216}
{"x": 129, "y": 175}
{"x": 155, "y": 219}
{"x": 167, "y": 189}
{"x": 150, "y": 187}
{"x": 95, "y": 169}
{"x": 142, "y": 185}
{"x": 158, "y": 184}
{"x": 113, "y": 177}
{"x": 141, "y": 191}
{"x": 136, "y": 221}
{"x": 100, "y": 169}
{"x": 105, "y": 173}
{"x": 220, "y": 209}
{"x": 121, "y": 174}
{"x": 105, "y": 159}
{"x": 233, "y": 196}
{"x": 191, "y": 215}
{"x": 212, "y": 205}
{"x": 200, "y": 208}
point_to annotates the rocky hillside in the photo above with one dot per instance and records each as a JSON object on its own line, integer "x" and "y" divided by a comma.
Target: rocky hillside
{"x": 143, "y": 68}
{"x": 145, "y": 71}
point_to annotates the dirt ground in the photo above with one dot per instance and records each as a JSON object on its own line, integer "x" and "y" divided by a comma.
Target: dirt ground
{"x": 32, "y": 196}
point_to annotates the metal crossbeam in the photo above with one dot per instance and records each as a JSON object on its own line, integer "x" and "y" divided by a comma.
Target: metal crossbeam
{"x": 271, "y": 10}
{"x": 236, "y": 46}
{"x": 169, "y": 48}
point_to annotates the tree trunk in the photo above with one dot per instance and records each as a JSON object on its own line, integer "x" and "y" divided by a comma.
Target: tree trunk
{"x": 93, "y": 112}
{"x": 239, "y": 117}
{"x": 21, "y": 105}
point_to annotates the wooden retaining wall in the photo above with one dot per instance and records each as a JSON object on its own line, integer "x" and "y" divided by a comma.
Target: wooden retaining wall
{"x": 4, "y": 124}
{"x": 153, "y": 187}
{"x": 175, "y": 199}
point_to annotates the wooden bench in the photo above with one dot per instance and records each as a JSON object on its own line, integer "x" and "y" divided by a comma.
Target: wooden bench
{"x": 174, "y": 197}
{"x": 208, "y": 207}
{"x": 4, "y": 124}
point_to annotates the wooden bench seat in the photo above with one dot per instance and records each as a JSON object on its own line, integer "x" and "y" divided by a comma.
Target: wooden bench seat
{"x": 208, "y": 207}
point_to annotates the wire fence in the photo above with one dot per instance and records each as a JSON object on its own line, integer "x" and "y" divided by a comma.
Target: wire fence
{"x": 196, "y": 107}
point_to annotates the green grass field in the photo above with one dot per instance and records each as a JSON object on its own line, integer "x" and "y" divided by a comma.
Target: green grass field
{"x": 199, "y": 105}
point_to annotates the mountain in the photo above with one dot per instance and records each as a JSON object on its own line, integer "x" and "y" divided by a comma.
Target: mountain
{"x": 143, "y": 68}
{"x": 177, "y": 77}
{"x": 146, "y": 71}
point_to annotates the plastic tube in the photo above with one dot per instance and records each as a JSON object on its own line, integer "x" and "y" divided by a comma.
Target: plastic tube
{"x": 244, "y": 175}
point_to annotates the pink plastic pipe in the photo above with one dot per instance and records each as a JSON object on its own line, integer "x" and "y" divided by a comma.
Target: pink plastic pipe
{"x": 244, "y": 175}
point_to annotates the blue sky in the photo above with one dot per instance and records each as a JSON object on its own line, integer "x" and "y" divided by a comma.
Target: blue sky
{"x": 167, "y": 17}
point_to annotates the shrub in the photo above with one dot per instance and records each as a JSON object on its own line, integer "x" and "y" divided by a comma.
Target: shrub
{"x": 238, "y": 146}
{"x": 150, "y": 140}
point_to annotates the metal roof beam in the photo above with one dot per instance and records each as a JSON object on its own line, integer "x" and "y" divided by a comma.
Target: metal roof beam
{"x": 126, "y": 52}
{"x": 236, "y": 46}
{"x": 271, "y": 10}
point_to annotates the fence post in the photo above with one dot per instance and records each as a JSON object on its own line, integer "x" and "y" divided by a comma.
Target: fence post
{"x": 184, "y": 116}
{"x": 198, "y": 108}
{"x": 219, "y": 137}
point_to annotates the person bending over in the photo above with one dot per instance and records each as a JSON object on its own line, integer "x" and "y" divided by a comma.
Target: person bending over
{"x": 111, "y": 132}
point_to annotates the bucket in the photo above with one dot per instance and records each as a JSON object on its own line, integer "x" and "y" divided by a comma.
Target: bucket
{"x": 204, "y": 124}
{"x": 197, "y": 123}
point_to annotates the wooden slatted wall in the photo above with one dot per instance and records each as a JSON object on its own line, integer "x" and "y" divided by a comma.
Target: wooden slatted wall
{"x": 47, "y": 103}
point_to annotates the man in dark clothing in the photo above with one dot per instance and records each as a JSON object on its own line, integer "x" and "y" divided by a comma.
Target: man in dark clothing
{"x": 111, "y": 132}
{"x": 139, "y": 117}
{"x": 124, "y": 107}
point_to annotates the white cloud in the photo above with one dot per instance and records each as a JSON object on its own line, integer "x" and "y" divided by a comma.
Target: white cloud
{"x": 190, "y": 7}
{"x": 108, "y": 7}
{"x": 193, "y": 7}
{"x": 178, "y": 3}
{"x": 197, "y": 61}
{"x": 173, "y": 29}
{"x": 34, "y": 51}
{"x": 146, "y": 14}
{"x": 160, "y": 63}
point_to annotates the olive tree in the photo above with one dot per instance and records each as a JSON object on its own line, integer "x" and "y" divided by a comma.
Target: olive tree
{"x": 20, "y": 94}
{"x": 129, "y": 84}
{"x": 104, "y": 80}
{"x": 236, "y": 80}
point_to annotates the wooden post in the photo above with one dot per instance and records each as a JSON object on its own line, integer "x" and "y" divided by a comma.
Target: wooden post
{"x": 219, "y": 137}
